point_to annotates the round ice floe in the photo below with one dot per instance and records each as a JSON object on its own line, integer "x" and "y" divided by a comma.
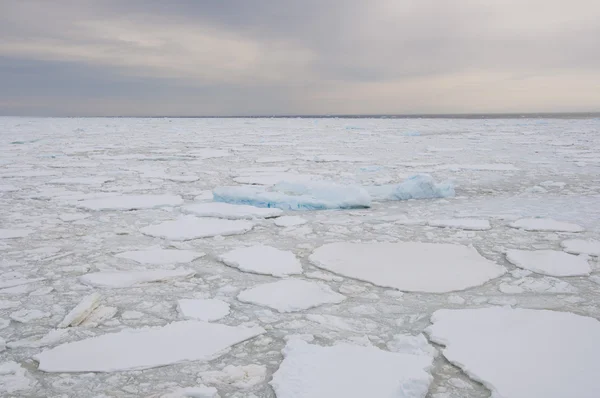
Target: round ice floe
{"x": 350, "y": 371}
{"x": 161, "y": 256}
{"x": 203, "y": 309}
{"x": 549, "y": 262}
{"x": 290, "y": 221}
{"x": 263, "y": 260}
{"x": 469, "y": 224}
{"x": 409, "y": 266}
{"x": 521, "y": 353}
{"x": 580, "y": 246}
{"x": 131, "y": 202}
{"x": 230, "y": 211}
{"x": 291, "y": 295}
{"x": 546, "y": 225}
{"x": 190, "y": 227}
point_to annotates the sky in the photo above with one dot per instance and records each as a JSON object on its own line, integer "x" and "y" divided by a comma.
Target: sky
{"x": 279, "y": 57}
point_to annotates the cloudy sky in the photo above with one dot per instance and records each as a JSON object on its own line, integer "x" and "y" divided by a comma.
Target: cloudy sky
{"x": 243, "y": 57}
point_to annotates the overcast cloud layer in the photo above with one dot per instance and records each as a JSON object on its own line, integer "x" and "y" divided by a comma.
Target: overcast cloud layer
{"x": 194, "y": 57}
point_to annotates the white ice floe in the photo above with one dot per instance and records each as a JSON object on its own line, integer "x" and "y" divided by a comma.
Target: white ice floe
{"x": 68, "y": 217}
{"x": 239, "y": 377}
{"x": 335, "y": 158}
{"x": 203, "y": 309}
{"x": 8, "y": 188}
{"x": 130, "y": 202}
{"x": 200, "y": 391}
{"x": 469, "y": 224}
{"x": 52, "y": 337}
{"x": 11, "y": 282}
{"x": 161, "y": 256}
{"x": 546, "y": 225}
{"x": 272, "y": 178}
{"x": 350, "y": 371}
{"x": 81, "y": 311}
{"x": 409, "y": 266}
{"x": 544, "y": 285}
{"x": 522, "y": 353}
{"x": 191, "y": 227}
{"x": 479, "y": 167}
{"x": 230, "y": 211}
{"x": 120, "y": 279}
{"x": 90, "y": 180}
{"x": 14, "y": 378}
{"x": 580, "y": 246}
{"x": 99, "y": 315}
{"x": 290, "y": 221}
{"x": 290, "y": 295}
{"x": 14, "y": 233}
{"x": 262, "y": 259}
{"x": 550, "y": 262}
{"x": 26, "y": 316}
{"x": 145, "y": 348}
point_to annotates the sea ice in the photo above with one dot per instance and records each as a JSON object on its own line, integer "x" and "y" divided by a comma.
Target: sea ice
{"x": 479, "y": 167}
{"x": 25, "y": 315}
{"x": 14, "y": 378}
{"x": 14, "y": 233}
{"x": 545, "y": 285}
{"x": 81, "y": 180}
{"x": 550, "y": 262}
{"x": 81, "y": 311}
{"x": 145, "y": 348}
{"x": 345, "y": 370}
{"x": 546, "y": 225}
{"x": 290, "y": 221}
{"x": 468, "y": 224}
{"x": 161, "y": 256}
{"x": 230, "y": 211}
{"x": 120, "y": 279}
{"x": 409, "y": 266}
{"x": 190, "y": 227}
{"x": 272, "y": 178}
{"x": 262, "y": 259}
{"x": 240, "y": 377}
{"x": 290, "y": 295}
{"x": 203, "y": 309}
{"x": 297, "y": 196}
{"x": 420, "y": 186}
{"x": 11, "y": 282}
{"x": 130, "y": 202}
{"x": 52, "y": 337}
{"x": 522, "y": 353}
{"x": 580, "y": 246}
{"x": 201, "y": 391}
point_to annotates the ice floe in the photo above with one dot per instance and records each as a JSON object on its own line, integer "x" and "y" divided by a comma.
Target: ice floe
{"x": 550, "y": 262}
{"x": 230, "y": 211}
{"x": 544, "y": 285}
{"x": 191, "y": 227}
{"x": 120, "y": 279}
{"x": 161, "y": 256}
{"x": 81, "y": 180}
{"x": 130, "y": 202}
{"x": 145, "y": 348}
{"x": 469, "y": 224}
{"x": 203, "y": 309}
{"x": 546, "y": 224}
{"x": 291, "y": 295}
{"x": 290, "y": 221}
{"x": 420, "y": 186}
{"x": 522, "y": 353}
{"x": 261, "y": 259}
{"x": 349, "y": 371}
{"x": 13, "y": 378}
{"x": 78, "y": 314}
{"x": 14, "y": 233}
{"x": 239, "y": 377}
{"x": 408, "y": 266}
{"x": 580, "y": 246}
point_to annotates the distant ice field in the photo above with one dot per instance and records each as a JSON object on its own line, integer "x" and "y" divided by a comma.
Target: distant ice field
{"x": 113, "y": 249}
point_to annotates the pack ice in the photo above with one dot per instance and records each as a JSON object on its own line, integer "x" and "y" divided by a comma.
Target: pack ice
{"x": 145, "y": 348}
{"x": 408, "y": 266}
{"x": 522, "y": 353}
{"x": 550, "y": 262}
{"x": 580, "y": 246}
{"x": 229, "y": 211}
{"x": 420, "y": 186}
{"x": 155, "y": 256}
{"x": 546, "y": 224}
{"x": 261, "y": 259}
{"x": 350, "y": 371}
{"x": 131, "y": 202}
{"x": 120, "y": 279}
{"x": 190, "y": 227}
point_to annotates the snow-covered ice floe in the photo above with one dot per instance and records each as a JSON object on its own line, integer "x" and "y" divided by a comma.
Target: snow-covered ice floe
{"x": 322, "y": 195}
{"x": 409, "y": 266}
{"x": 550, "y": 262}
{"x": 291, "y": 295}
{"x": 290, "y": 221}
{"x": 350, "y": 371}
{"x": 161, "y": 256}
{"x": 580, "y": 246}
{"x": 14, "y": 233}
{"x": 522, "y": 353}
{"x": 546, "y": 224}
{"x": 145, "y": 348}
{"x": 78, "y": 314}
{"x": 203, "y": 309}
{"x": 120, "y": 279}
{"x": 469, "y": 224}
{"x": 230, "y": 211}
{"x": 130, "y": 202}
{"x": 261, "y": 259}
{"x": 191, "y": 227}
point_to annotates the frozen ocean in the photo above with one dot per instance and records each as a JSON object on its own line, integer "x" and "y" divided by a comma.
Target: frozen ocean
{"x": 299, "y": 258}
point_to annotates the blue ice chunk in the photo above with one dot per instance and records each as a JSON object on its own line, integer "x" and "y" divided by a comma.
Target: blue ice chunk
{"x": 420, "y": 186}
